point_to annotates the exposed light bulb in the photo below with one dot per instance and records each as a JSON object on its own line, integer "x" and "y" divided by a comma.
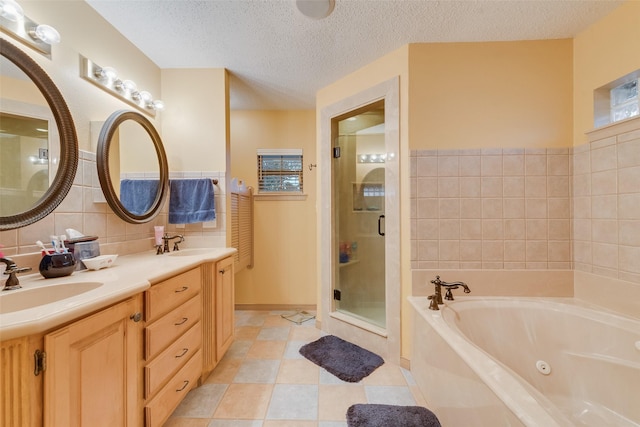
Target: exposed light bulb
{"x": 158, "y": 105}
{"x": 46, "y": 33}
{"x": 129, "y": 86}
{"x": 106, "y": 73}
{"x": 145, "y": 96}
{"x": 10, "y": 10}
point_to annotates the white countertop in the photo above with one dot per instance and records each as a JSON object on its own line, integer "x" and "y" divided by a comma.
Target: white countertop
{"x": 130, "y": 275}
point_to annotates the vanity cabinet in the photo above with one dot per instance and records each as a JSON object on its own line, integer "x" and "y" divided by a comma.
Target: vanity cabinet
{"x": 92, "y": 372}
{"x": 218, "y": 307}
{"x": 225, "y": 305}
{"x": 172, "y": 344}
{"x": 21, "y": 390}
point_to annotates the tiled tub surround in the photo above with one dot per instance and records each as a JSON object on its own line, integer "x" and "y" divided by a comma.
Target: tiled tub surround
{"x": 606, "y": 217}
{"x": 491, "y": 209}
{"x": 84, "y": 209}
{"x": 462, "y": 352}
{"x": 545, "y": 222}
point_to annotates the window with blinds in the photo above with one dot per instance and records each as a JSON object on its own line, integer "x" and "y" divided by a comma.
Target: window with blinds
{"x": 280, "y": 171}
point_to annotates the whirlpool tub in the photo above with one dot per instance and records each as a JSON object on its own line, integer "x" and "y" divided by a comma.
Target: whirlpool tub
{"x": 536, "y": 362}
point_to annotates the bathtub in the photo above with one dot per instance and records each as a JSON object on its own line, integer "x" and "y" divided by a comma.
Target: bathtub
{"x": 536, "y": 362}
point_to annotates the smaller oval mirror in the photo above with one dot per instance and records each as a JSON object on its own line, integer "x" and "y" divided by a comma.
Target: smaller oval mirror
{"x": 132, "y": 167}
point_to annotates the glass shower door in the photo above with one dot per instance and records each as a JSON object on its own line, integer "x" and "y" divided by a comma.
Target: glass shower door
{"x": 359, "y": 156}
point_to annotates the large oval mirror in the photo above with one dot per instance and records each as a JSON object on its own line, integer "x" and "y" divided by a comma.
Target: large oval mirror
{"x": 38, "y": 142}
{"x": 132, "y": 167}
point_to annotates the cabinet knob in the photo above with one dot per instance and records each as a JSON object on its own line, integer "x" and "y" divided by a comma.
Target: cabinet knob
{"x": 136, "y": 317}
{"x": 184, "y": 385}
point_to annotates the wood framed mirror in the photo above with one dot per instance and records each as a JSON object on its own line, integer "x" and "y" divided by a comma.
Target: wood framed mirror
{"x": 132, "y": 167}
{"x": 51, "y": 191}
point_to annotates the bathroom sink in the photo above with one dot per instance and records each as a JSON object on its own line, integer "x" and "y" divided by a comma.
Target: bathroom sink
{"x": 192, "y": 252}
{"x": 22, "y": 299}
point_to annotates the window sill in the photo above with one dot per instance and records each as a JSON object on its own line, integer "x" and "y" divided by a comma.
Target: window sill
{"x": 280, "y": 197}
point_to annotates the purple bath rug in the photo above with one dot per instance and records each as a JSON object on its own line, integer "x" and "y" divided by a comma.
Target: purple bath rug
{"x": 343, "y": 359}
{"x": 370, "y": 415}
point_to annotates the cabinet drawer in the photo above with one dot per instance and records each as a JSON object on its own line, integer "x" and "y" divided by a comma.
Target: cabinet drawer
{"x": 163, "y": 404}
{"x": 171, "y": 359}
{"x": 164, "y": 331}
{"x": 164, "y": 296}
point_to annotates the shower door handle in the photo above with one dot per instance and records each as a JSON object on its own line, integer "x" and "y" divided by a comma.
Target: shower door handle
{"x": 380, "y": 218}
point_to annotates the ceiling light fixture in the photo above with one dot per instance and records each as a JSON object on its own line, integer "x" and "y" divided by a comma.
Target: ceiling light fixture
{"x": 316, "y": 9}
{"x": 107, "y": 79}
{"x": 37, "y": 36}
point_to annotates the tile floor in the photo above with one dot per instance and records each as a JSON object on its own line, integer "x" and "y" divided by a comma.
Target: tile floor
{"x": 263, "y": 381}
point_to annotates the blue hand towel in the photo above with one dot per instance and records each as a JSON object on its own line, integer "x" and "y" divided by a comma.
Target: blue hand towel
{"x": 138, "y": 195}
{"x": 191, "y": 200}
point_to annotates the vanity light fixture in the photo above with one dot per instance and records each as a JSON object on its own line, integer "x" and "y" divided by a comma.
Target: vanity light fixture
{"x": 372, "y": 158}
{"x": 11, "y": 10}
{"x": 107, "y": 79}
{"x": 37, "y": 36}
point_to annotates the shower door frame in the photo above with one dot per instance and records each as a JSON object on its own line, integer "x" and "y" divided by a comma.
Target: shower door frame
{"x": 384, "y": 341}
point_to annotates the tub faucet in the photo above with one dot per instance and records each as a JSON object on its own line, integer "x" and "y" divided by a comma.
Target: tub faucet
{"x": 166, "y": 239}
{"x": 437, "y": 297}
{"x": 12, "y": 281}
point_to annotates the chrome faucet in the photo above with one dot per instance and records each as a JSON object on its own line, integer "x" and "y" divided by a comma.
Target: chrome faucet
{"x": 167, "y": 238}
{"x": 437, "y": 297}
{"x": 12, "y": 281}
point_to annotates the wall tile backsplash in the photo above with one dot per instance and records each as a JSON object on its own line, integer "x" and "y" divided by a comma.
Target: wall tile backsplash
{"x": 85, "y": 210}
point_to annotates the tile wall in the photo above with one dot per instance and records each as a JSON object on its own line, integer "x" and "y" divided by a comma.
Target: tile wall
{"x": 84, "y": 209}
{"x": 554, "y": 222}
{"x": 491, "y": 209}
{"x": 606, "y": 182}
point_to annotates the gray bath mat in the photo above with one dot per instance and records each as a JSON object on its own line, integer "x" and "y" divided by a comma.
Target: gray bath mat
{"x": 343, "y": 359}
{"x": 369, "y": 415}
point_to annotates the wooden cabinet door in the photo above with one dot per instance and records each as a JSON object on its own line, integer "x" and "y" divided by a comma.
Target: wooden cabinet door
{"x": 92, "y": 377}
{"x": 225, "y": 305}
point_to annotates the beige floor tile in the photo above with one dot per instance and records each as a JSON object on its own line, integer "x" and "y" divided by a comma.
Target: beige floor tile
{"x": 304, "y": 333}
{"x": 224, "y": 372}
{"x": 187, "y": 422}
{"x": 266, "y": 350}
{"x": 386, "y": 374}
{"x": 276, "y": 320}
{"x": 288, "y": 423}
{"x": 247, "y": 332}
{"x": 298, "y": 371}
{"x": 244, "y": 402}
{"x": 335, "y": 399}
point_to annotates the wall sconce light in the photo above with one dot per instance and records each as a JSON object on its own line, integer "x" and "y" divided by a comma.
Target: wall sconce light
{"x": 107, "y": 79}
{"x": 37, "y": 36}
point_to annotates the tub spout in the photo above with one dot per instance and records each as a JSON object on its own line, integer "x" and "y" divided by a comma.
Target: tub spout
{"x": 439, "y": 284}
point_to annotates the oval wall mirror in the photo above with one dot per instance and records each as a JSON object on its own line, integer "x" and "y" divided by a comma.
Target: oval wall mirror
{"x": 132, "y": 167}
{"x": 38, "y": 142}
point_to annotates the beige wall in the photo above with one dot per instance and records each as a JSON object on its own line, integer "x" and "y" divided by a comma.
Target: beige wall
{"x": 284, "y": 231}
{"x": 478, "y": 95}
{"x": 603, "y": 52}
{"x": 195, "y": 120}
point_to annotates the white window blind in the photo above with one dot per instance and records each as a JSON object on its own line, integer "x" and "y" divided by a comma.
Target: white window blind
{"x": 280, "y": 171}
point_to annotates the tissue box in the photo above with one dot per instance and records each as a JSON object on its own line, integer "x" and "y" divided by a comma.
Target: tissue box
{"x": 83, "y": 250}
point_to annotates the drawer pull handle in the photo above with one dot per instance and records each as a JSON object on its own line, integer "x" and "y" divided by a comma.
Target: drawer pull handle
{"x": 184, "y": 351}
{"x": 184, "y": 319}
{"x": 186, "y": 383}
{"x": 182, "y": 289}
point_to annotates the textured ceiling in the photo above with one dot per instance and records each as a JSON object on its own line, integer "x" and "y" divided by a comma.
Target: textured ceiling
{"x": 278, "y": 58}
